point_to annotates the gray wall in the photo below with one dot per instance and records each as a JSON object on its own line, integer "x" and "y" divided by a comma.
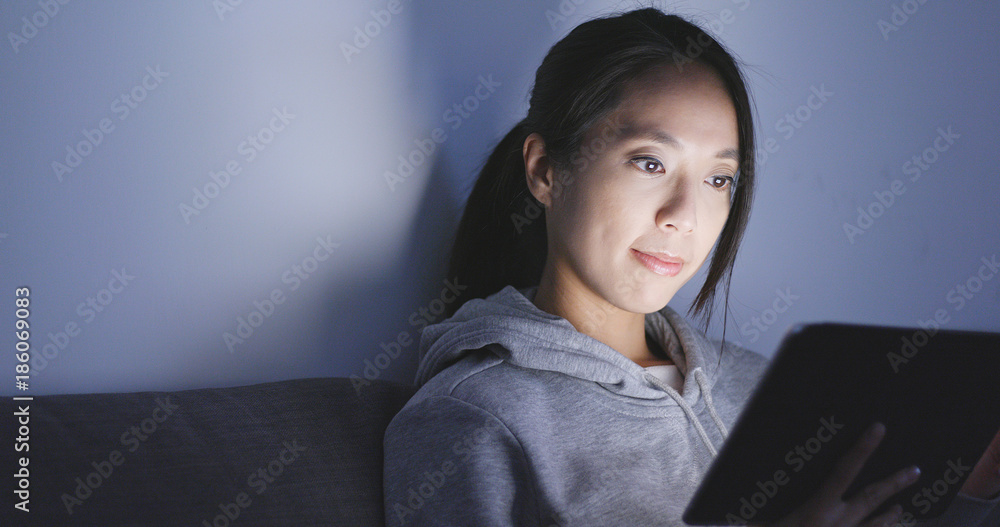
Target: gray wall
{"x": 158, "y": 98}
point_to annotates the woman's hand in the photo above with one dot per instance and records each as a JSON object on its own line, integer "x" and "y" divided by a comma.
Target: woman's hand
{"x": 984, "y": 482}
{"x": 827, "y": 509}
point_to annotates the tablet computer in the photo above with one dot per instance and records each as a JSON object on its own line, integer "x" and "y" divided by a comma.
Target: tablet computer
{"x": 935, "y": 390}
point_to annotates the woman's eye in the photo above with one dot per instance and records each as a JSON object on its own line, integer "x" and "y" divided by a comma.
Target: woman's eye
{"x": 648, "y": 164}
{"x": 721, "y": 182}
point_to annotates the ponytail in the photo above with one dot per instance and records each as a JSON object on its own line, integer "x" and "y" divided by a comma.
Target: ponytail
{"x": 501, "y": 237}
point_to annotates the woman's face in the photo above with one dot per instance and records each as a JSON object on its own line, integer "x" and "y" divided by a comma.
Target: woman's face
{"x": 654, "y": 178}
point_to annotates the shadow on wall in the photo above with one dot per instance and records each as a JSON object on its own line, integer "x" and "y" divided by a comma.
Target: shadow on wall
{"x": 464, "y": 72}
{"x": 412, "y": 284}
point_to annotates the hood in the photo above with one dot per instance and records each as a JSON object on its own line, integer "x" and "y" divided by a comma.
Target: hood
{"x": 531, "y": 338}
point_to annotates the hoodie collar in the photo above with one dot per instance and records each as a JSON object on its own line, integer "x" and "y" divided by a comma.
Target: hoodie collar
{"x": 531, "y": 338}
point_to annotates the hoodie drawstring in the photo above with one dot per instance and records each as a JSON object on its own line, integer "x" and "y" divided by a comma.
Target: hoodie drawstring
{"x": 703, "y": 383}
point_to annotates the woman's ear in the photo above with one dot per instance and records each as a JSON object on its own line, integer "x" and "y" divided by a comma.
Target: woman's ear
{"x": 538, "y": 171}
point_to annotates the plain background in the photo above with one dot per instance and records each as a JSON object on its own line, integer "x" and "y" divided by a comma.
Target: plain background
{"x": 896, "y": 72}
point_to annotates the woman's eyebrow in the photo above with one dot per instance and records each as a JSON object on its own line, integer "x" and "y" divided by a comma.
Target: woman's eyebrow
{"x": 728, "y": 153}
{"x": 632, "y": 131}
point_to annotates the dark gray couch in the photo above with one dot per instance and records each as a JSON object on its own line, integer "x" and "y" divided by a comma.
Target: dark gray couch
{"x": 301, "y": 452}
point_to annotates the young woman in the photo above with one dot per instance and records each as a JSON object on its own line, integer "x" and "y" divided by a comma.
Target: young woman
{"x": 564, "y": 391}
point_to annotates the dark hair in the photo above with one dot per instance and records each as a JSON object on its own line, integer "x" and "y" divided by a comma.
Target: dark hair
{"x": 501, "y": 239}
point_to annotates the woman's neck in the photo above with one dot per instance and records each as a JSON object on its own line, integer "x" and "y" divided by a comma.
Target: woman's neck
{"x": 623, "y": 331}
{"x": 660, "y": 356}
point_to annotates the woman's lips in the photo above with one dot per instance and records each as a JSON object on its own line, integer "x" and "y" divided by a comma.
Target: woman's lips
{"x": 660, "y": 263}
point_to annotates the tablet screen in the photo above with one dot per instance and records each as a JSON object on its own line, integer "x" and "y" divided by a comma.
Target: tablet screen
{"x": 936, "y": 392}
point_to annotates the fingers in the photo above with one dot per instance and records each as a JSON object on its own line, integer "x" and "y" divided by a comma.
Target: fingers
{"x": 869, "y": 498}
{"x": 848, "y": 466}
{"x": 992, "y": 455}
{"x": 828, "y": 504}
{"x": 984, "y": 482}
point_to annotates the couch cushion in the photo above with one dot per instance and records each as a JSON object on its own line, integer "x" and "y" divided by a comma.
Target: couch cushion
{"x": 301, "y": 452}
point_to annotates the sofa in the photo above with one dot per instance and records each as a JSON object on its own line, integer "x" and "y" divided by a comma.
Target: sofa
{"x": 299, "y": 452}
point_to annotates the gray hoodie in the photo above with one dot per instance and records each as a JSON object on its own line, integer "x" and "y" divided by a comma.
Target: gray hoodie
{"x": 522, "y": 420}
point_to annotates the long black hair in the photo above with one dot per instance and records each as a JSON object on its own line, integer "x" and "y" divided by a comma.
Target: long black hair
{"x": 501, "y": 238}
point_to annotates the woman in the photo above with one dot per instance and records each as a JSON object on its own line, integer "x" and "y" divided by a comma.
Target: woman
{"x": 563, "y": 391}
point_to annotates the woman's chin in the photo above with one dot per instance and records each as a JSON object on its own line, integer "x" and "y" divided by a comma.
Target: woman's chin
{"x": 650, "y": 300}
